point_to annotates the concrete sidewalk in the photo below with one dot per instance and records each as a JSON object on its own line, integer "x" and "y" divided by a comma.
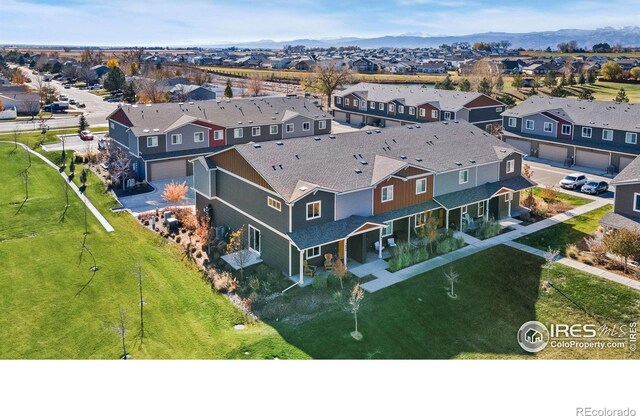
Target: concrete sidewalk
{"x": 386, "y": 279}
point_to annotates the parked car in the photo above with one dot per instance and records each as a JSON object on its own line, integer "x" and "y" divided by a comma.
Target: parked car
{"x": 73, "y": 102}
{"x": 67, "y": 87}
{"x": 86, "y": 135}
{"x": 573, "y": 181}
{"x": 81, "y": 105}
{"x": 595, "y": 187}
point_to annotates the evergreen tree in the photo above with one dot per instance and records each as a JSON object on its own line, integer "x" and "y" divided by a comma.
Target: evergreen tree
{"x": 591, "y": 77}
{"x": 228, "y": 91}
{"x": 499, "y": 83}
{"x": 485, "y": 87}
{"x": 586, "y": 94}
{"x": 446, "y": 84}
{"x": 558, "y": 91}
{"x": 114, "y": 80}
{"x": 464, "y": 85}
{"x": 82, "y": 124}
{"x": 621, "y": 97}
{"x": 572, "y": 79}
{"x": 508, "y": 100}
{"x": 129, "y": 92}
{"x": 582, "y": 79}
{"x": 549, "y": 79}
{"x": 517, "y": 82}
{"x": 563, "y": 80}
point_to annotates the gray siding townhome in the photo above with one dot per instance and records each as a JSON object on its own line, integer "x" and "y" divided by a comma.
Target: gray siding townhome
{"x": 341, "y": 194}
{"x": 388, "y": 105}
{"x": 593, "y": 134}
{"x": 162, "y": 138}
{"x": 626, "y": 208}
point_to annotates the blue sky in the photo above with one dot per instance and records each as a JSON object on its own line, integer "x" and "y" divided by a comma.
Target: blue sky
{"x": 189, "y": 22}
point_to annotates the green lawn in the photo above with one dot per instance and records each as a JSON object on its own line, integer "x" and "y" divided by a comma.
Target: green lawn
{"x": 417, "y": 319}
{"x": 33, "y": 138}
{"x": 607, "y": 91}
{"x": 43, "y": 316}
{"x": 571, "y": 231}
{"x": 569, "y": 199}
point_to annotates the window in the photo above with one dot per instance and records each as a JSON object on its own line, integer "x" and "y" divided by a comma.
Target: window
{"x": 355, "y": 102}
{"x": 511, "y": 166}
{"x": 420, "y": 219}
{"x": 586, "y": 132}
{"x": 631, "y": 138}
{"x": 387, "y": 193}
{"x": 313, "y": 252}
{"x": 423, "y": 112}
{"x": 513, "y": 122}
{"x": 548, "y": 127}
{"x": 401, "y": 109}
{"x": 636, "y": 202}
{"x": 274, "y": 203}
{"x": 346, "y": 101}
{"x": 176, "y": 139}
{"x": 434, "y": 113}
{"x": 198, "y": 137}
{"x": 463, "y": 176}
{"x": 421, "y": 186}
{"x": 412, "y": 111}
{"x": 313, "y": 210}
{"x": 218, "y": 135}
{"x": 607, "y": 135}
{"x": 508, "y": 197}
{"x": 254, "y": 239}
{"x": 388, "y": 230}
{"x": 112, "y": 125}
{"x": 237, "y": 133}
{"x": 255, "y": 131}
{"x": 372, "y": 105}
{"x": 306, "y": 126}
{"x": 447, "y": 115}
{"x": 480, "y": 208}
{"x": 289, "y": 128}
{"x": 381, "y": 106}
{"x": 463, "y": 209}
{"x": 338, "y": 100}
{"x": 322, "y": 124}
{"x": 273, "y": 129}
{"x": 566, "y": 129}
{"x": 529, "y": 124}
{"x": 498, "y": 109}
{"x": 392, "y": 108}
{"x": 152, "y": 141}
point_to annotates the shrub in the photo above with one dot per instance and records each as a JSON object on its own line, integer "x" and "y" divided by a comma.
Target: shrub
{"x": 572, "y": 251}
{"x": 548, "y": 194}
{"x": 178, "y": 239}
{"x": 488, "y": 229}
{"x": 319, "y": 282}
{"x": 558, "y": 207}
{"x": 460, "y": 242}
{"x": 541, "y": 210}
{"x": 445, "y": 246}
{"x": 223, "y": 282}
{"x": 199, "y": 254}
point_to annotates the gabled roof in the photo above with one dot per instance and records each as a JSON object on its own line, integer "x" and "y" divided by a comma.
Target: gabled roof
{"x": 630, "y": 174}
{"x": 483, "y": 192}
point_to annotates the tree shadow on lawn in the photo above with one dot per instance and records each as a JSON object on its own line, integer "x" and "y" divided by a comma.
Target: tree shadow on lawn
{"x": 557, "y": 237}
{"x": 497, "y": 293}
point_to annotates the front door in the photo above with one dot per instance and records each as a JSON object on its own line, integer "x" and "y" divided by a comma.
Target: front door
{"x": 254, "y": 239}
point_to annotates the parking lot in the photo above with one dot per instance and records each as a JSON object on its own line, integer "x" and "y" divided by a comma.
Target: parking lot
{"x": 74, "y": 142}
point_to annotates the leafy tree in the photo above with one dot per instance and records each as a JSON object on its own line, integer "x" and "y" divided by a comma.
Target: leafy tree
{"x": 1, "y": 105}
{"x": 255, "y": 84}
{"x": 582, "y": 79}
{"x": 621, "y": 97}
{"x": 326, "y": 80}
{"x": 115, "y": 79}
{"x": 548, "y": 49}
{"x": 83, "y": 124}
{"x": 485, "y": 87}
{"x": 549, "y": 79}
{"x": 601, "y": 48}
{"x": 499, "y": 83}
{"x": 635, "y": 72}
{"x": 586, "y": 94}
{"x": 357, "y": 294}
{"x": 464, "y": 85}
{"x": 238, "y": 247}
{"x": 591, "y": 77}
{"x": 624, "y": 243}
{"x": 517, "y": 82}
{"x": 429, "y": 229}
{"x": 445, "y": 84}
{"x": 113, "y": 63}
{"x": 228, "y": 91}
{"x": 611, "y": 70}
{"x": 340, "y": 271}
{"x": 527, "y": 172}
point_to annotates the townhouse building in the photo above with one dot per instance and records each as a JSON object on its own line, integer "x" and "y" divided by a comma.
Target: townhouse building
{"x": 340, "y": 194}
{"x": 626, "y": 206}
{"x": 595, "y": 134}
{"x": 388, "y": 105}
{"x": 162, "y": 138}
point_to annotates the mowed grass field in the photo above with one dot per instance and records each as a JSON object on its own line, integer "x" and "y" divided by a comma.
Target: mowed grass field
{"x": 42, "y": 315}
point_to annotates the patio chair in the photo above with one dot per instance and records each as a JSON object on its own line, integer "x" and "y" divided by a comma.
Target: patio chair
{"x": 376, "y": 245}
{"x": 309, "y": 270}
{"x": 328, "y": 262}
{"x": 392, "y": 242}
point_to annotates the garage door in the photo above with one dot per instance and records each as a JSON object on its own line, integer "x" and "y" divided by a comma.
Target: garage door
{"x": 624, "y": 161}
{"x": 340, "y": 116}
{"x": 522, "y": 145}
{"x": 555, "y": 153}
{"x": 167, "y": 169}
{"x": 357, "y": 119}
{"x": 590, "y": 159}
{"x": 389, "y": 123}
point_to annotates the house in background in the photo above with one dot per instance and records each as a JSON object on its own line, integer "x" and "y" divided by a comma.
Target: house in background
{"x": 626, "y": 208}
{"x": 162, "y": 137}
{"x": 340, "y": 194}
{"x": 600, "y": 135}
{"x": 182, "y": 92}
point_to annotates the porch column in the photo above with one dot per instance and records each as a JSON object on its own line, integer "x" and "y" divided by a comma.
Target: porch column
{"x": 344, "y": 253}
{"x": 409, "y": 230}
{"x": 446, "y": 221}
{"x": 485, "y": 214}
{"x": 380, "y": 244}
{"x": 301, "y": 281}
{"x": 509, "y": 205}
{"x": 460, "y": 220}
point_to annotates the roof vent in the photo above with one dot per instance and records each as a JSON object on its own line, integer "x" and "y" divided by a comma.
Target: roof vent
{"x": 250, "y": 122}
{"x": 403, "y": 157}
{"x": 369, "y": 132}
{"x": 297, "y": 156}
{"x": 472, "y": 161}
{"x": 279, "y": 143}
{"x": 257, "y": 145}
{"x": 364, "y": 162}
{"x": 455, "y": 121}
{"x": 273, "y": 118}
{"x": 332, "y": 137}
{"x": 156, "y": 129}
{"x": 280, "y": 167}
{"x": 418, "y": 159}
{"x": 378, "y": 131}
{"x": 273, "y": 167}
{"x": 458, "y": 164}
{"x": 147, "y": 105}
{"x": 191, "y": 103}
{"x": 239, "y": 122}
{"x": 417, "y": 126}
{"x": 358, "y": 171}
{"x": 316, "y": 138}
{"x": 303, "y": 188}
{"x": 410, "y": 127}
{"x": 445, "y": 122}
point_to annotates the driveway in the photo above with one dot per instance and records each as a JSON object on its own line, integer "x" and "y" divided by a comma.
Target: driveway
{"x": 546, "y": 174}
{"x": 153, "y": 200}
{"x": 74, "y": 142}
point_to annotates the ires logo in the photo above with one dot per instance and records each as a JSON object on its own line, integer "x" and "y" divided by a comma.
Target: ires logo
{"x": 573, "y": 331}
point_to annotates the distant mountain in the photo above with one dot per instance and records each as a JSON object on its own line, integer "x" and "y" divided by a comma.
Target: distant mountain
{"x": 627, "y": 36}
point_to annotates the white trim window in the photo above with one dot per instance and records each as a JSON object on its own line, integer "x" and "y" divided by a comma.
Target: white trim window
{"x": 422, "y": 112}
{"x": 346, "y": 101}
{"x": 636, "y": 202}
{"x": 254, "y": 239}
{"x": 434, "y": 113}
{"x": 420, "y": 219}
{"x": 388, "y": 230}
{"x": 607, "y": 135}
{"x": 314, "y": 210}
{"x": 447, "y": 115}
{"x": 306, "y": 126}
{"x": 289, "y": 127}
{"x": 631, "y": 138}
{"x": 386, "y": 193}
{"x": 412, "y": 111}
{"x": 566, "y": 129}
{"x": 400, "y": 109}
{"x": 322, "y": 124}
{"x": 511, "y": 166}
{"x": 586, "y": 132}
{"x": 274, "y": 203}
{"x": 372, "y": 105}
{"x": 513, "y": 122}
{"x": 312, "y": 253}
{"x": 463, "y": 176}
{"x": 498, "y": 109}
{"x": 529, "y": 124}
{"x": 392, "y": 108}
{"x": 152, "y": 141}
{"x": 421, "y": 186}
{"x": 508, "y": 197}
{"x": 237, "y": 133}
{"x": 338, "y": 100}
{"x": 198, "y": 137}
{"x": 112, "y": 125}
{"x": 176, "y": 139}
{"x": 464, "y": 209}
{"x": 255, "y": 131}
{"x": 356, "y": 102}
{"x": 381, "y": 106}
{"x": 548, "y": 127}
{"x": 218, "y": 135}
{"x": 480, "y": 208}
{"x": 273, "y": 129}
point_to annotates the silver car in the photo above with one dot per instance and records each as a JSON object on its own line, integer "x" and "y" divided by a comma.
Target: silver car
{"x": 573, "y": 181}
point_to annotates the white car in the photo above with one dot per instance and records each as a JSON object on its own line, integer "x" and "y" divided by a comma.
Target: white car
{"x": 573, "y": 181}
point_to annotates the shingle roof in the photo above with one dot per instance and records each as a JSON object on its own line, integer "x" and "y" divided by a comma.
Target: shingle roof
{"x": 358, "y": 160}
{"x": 226, "y": 113}
{"x": 327, "y": 232}
{"x": 629, "y": 174}
{"x": 604, "y": 114}
{"x": 411, "y": 94}
{"x": 617, "y": 221}
{"x": 482, "y": 192}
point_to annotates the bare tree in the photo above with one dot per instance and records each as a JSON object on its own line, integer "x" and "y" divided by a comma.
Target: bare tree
{"x": 25, "y": 177}
{"x": 550, "y": 257}
{"x": 179, "y": 93}
{"x": 141, "y": 303}
{"x": 120, "y": 328}
{"x": 32, "y": 106}
{"x": 326, "y": 80}
{"x": 151, "y": 90}
{"x": 87, "y": 75}
{"x": 255, "y": 84}
{"x": 357, "y": 294}
{"x": 238, "y": 247}
{"x": 452, "y": 277}
{"x": 120, "y": 163}
{"x": 340, "y": 271}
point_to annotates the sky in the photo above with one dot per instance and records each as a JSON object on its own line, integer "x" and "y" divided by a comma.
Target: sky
{"x": 207, "y": 22}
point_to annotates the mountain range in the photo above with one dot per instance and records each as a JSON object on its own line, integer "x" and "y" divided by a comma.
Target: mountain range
{"x": 626, "y": 36}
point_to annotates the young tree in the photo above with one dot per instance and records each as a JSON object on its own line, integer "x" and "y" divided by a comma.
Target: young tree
{"x": 175, "y": 193}
{"x": 485, "y": 87}
{"x": 549, "y": 79}
{"x": 429, "y": 229}
{"x": 326, "y": 80}
{"x": 1, "y": 105}
{"x": 83, "y": 124}
{"x": 499, "y": 83}
{"x": 635, "y": 72}
{"x": 238, "y": 247}
{"x": 563, "y": 80}
{"x": 355, "y": 299}
{"x": 550, "y": 257}
{"x": 527, "y": 172}
{"x": 611, "y": 70}
{"x": 452, "y": 277}
{"x": 340, "y": 271}
{"x": 445, "y": 84}
{"x": 114, "y": 80}
{"x": 464, "y": 85}
{"x": 129, "y": 92}
{"x": 120, "y": 163}
{"x": 586, "y": 94}
{"x": 582, "y": 79}
{"x": 141, "y": 303}
{"x": 228, "y": 90}
{"x": 621, "y": 97}
{"x": 572, "y": 79}
{"x": 120, "y": 328}
{"x": 558, "y": 91}
{"x": 25, "y": 177}
{"x": 517, "y": 82}
{"x": 255, "y": 84}
{"x": 508, "y": 100}
{"x": 624, "y": 243}
{"x": 591, "y": 77}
